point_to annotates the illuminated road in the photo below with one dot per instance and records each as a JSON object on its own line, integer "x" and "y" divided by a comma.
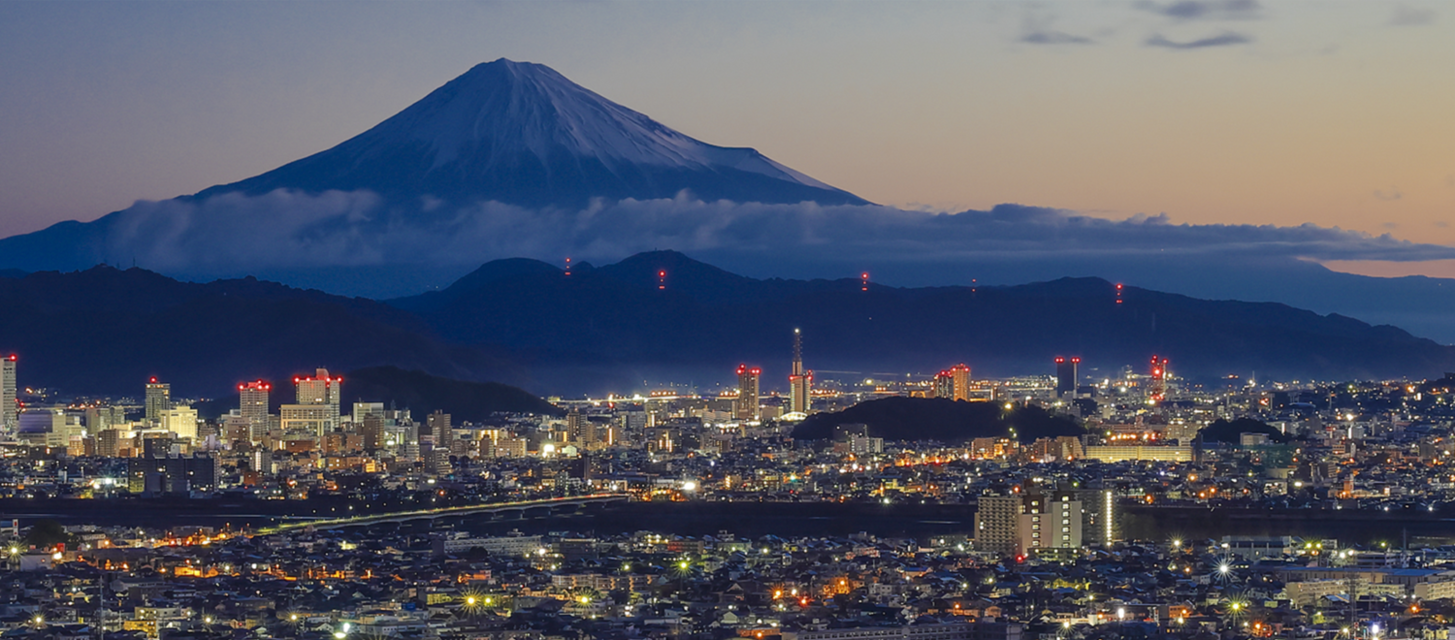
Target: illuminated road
{"x": 548, "y": 505}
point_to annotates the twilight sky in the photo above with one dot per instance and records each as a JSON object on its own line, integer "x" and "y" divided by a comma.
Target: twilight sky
{"x": 1219, "y": 111}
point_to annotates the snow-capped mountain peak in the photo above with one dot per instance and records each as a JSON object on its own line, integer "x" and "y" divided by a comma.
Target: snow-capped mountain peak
{"x": 521, "y": 132}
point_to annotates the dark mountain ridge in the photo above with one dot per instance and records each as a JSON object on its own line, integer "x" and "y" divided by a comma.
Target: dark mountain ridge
{"x": 659, "y": 315}
{"x": 698, "y": 314}
{"x": 417, "y": 391}
{"x": 104, "y": 331}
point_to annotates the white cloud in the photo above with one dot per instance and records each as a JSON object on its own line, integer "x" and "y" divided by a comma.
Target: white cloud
{"x": 290, "y": 229}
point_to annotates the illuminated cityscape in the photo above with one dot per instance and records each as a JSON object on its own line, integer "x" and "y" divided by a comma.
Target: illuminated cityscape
{"x": 1157, "y": 342}
{"x": 521, "y": 523}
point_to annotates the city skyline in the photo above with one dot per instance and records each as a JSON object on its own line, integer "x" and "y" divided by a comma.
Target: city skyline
{"x": 873, "y": 320}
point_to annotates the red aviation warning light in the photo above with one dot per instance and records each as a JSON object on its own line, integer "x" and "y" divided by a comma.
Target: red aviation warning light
{"x": 662, "y": 279}
{"x": 1060, "y": 360}
{"x": 568, "y": 266}
{"x": 1158, "y": 389}
{"x": 864, "y": 281}
{"x": 13, "y": 358}
{"x": 1119, "y": 293}
{"x": 153, "y": 380}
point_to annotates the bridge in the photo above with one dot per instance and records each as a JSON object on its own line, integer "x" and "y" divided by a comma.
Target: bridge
{"x": 507, "y": 510}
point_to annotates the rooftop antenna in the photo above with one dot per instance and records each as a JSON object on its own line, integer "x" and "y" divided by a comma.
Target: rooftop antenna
{"x": 797, "y": 352}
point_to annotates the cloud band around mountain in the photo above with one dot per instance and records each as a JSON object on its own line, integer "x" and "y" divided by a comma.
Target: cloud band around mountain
{"x": 235, "y": 232}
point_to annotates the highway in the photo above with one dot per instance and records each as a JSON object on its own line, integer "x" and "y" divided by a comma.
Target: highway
{"x": 549, "y": 506}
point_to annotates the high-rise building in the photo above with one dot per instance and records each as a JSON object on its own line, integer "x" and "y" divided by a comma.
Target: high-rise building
{"x": 574, "y": 420}
{"x": 944, "y": 385}
{"x": 1099, "y": 515}
{"x": 1024, "y": 523}
{"x": 181, "y": 421}
{"x": 960, "y": 378}
{"x": 439, "y": 425}
{"x": 158, "y": 399}
{"x": 253, "y": 406}
{"x": 319, "y": 389}
{"x": 315, "y": 420}
{"x": 588, "y": 435}
{"x": 100, "y": 418}
{"x": 1066, "y": 375}
{"x": 9, "y": 404}
{"x": 316, "y": 406}
{"x": 800, "y": 381}
{"x": 745, "y": 408}
{"x": 371, "y": 429}
{"x": 109, "y": 443}
{"x": 1157, "y": 389}
{"x": 156, "y": 474}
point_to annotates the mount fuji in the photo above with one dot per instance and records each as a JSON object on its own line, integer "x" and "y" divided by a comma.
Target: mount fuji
{"x": 496, "y": 161}
{"x": 521, "y": 133}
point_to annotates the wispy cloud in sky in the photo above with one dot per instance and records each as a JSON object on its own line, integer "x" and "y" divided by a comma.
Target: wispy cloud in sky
{"x": 1205, "y": 9}
{"x": 1054, "y": 37}
{"x": 1038, "y": 28}
{"x": 1407, "y": 16}
{"x": 1222, "y": 40}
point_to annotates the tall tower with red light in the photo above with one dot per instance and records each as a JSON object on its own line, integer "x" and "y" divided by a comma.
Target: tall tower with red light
{"x": 158, "y": 399}
{"x": 319, "y": 389}
{"x": 960, "y": 382}
{"x": 1119, "y": 293}
{"x": 1066, "y": 375}
{"x": 1157, "y": 390}
{"x": 661, "y": 278}
{"x": 944, "y": 385}
{"x": 864, "y": 281}
{"x": 800, "y": 381}
{"x": 9, "y": 403}
{"x": 745, "y": 408}
{"x": 253, "y": 406}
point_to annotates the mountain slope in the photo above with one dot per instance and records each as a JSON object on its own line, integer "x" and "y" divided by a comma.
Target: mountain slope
{"x": 105, "y": 331}
{"x": 704, "y": 321}
{"x": 611, "y": 328}
{"x": 522, "y": 133}
{"x": 424, "y": 393}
